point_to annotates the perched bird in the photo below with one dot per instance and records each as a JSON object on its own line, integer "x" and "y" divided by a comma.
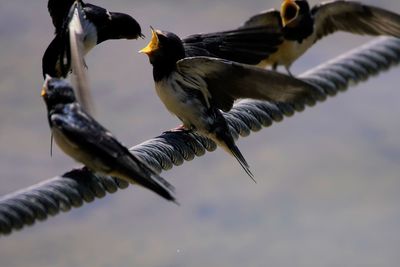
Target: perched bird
{"x": 195, "y": 89}
{"x": 302, "y": 26}
{"x": 99, "y": 25}
{"x": 86, "y": 141}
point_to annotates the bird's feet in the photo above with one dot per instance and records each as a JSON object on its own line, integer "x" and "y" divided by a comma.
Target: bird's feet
{"x": 181, "y": 128}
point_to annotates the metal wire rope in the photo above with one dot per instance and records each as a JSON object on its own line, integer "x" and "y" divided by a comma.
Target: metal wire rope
{"x": 74, "y": 188}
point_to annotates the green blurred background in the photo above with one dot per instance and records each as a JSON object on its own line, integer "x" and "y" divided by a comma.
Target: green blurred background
{"x": 328, "y": 178}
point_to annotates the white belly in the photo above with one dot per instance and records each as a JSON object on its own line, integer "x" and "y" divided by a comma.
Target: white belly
{"x": 78, "y": 154}
{"x": 188, "y": 109}
{"x": 288, "y": 52}
{"x": 90, "y": 38}
{"x": 67, "y": 146}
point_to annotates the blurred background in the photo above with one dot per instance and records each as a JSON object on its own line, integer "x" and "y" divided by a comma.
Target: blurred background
{"x": 328, "y": 179}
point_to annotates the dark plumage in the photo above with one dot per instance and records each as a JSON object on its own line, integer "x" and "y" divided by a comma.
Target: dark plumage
{"x": 302, "y": 26}
{"x": 99, "y": 25}
{"x": 195, "y": 89}
{"x": 247, "y": 45}
{"x": 85, "y": 140}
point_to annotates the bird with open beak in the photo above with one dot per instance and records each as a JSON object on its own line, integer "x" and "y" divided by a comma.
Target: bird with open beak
{"x": 99, "y": 25}
{"x": 196, "y": 89}
{"x": 302, "y": 26}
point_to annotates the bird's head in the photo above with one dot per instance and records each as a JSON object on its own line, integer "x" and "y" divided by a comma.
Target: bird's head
{"x": 119, "y": 26}
{"x": 57, "y": 91}
{"x": 292, "y": 12}
{"x": 165, "y": 48}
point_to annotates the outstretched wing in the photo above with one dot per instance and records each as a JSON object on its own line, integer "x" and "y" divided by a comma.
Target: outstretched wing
{"x": 247, "y": 45}
{"x": 76, "y": 40}
{"x": 356, "y": 18}
{"x": 269, "y": 18}
{"x": 227, "y": 81}
{"x": 58, "y": 10}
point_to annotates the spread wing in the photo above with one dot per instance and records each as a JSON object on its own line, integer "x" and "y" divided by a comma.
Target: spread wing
{"x": 227, "y": 81}
{"x": 58, "y": 10}
{"x": 356, "y": 18}
{"x": 52, "y": 57}
{"x": 269, "y": 18}
{"x": 84, "y": 132}
{"x": 247, "y": 45}
{"x": 76, "y": 40}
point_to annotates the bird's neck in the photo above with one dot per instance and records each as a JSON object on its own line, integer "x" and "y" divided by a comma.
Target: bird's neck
{"x": 163, "y": 69}
{"x": 300, "y": 32}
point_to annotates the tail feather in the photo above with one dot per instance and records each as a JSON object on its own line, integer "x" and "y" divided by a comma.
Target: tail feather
{"x": 223, "y": 137}
{"x": 234, "y": 150}
{"x": 137, "y": 171}
{"x": 160, "y": 186}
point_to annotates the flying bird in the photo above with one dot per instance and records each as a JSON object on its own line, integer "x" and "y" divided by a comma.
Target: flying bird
{"x": 195, "y": 89}
{"x": 85, "y": 140}
{"x": 99, "y": 25}
{"x": 302, "y": 26}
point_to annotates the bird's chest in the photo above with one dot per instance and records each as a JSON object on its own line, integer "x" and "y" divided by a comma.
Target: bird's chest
{"x": 79, "y": 154}
{"x": 288, "y": 52}
{"x": 67, "y": 146}
{"x": 90, "y": 37}
{"x": 183, "y": 102}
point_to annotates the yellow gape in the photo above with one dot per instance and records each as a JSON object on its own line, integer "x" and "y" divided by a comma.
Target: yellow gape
{"x": 153, "y": 45}
{"x": 289, "y": 11}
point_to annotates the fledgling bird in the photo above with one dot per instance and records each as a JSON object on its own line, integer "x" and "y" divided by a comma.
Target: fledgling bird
{"x": 85, "y": 140}
{"x": 99, "y": 25}
{"x": 195, "y": 89}
{"x": 302, "y": 26}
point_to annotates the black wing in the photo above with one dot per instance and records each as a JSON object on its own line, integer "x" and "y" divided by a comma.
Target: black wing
{"x": 354, "y": 17}
{"x": 85, "y": 132}
{"x": 227, "y": 81}
{"x": 269, "y": 18}
{"x": 51, "y": 59}
{"x": 247, "y": 45}
{"x": 59, "y": 10}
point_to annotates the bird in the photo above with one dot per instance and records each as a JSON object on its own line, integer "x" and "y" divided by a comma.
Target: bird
{"x": 197, "y": 89}
{"x": 302, "y": 26}
{"x": 86, "y": 141}
{"x": 99, "y": 25}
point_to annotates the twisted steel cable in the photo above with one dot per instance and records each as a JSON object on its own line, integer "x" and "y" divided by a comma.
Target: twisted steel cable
{"x": 76, "y": 187}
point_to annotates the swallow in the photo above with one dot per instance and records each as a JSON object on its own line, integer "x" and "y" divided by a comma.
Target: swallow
{"x": 99, "y": 25}
{"x": 302, "y": 26}
{"x": 196, "y": 89}
{"x": 86, "y": 141}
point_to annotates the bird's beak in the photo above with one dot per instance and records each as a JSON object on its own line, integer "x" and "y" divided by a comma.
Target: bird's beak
{"x": 289, "y": 11}
{"x": 153, "y": 45}
{"x": 43, "y": 93}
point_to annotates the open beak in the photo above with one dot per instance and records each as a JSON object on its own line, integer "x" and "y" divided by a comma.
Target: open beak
{"x": 289, "y": 11}
{"x": 153, "y": 45}
{"x": 43, "y": 93}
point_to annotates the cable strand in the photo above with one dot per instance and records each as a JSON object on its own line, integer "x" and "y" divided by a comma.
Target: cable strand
{"x": 79, "y": 186}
